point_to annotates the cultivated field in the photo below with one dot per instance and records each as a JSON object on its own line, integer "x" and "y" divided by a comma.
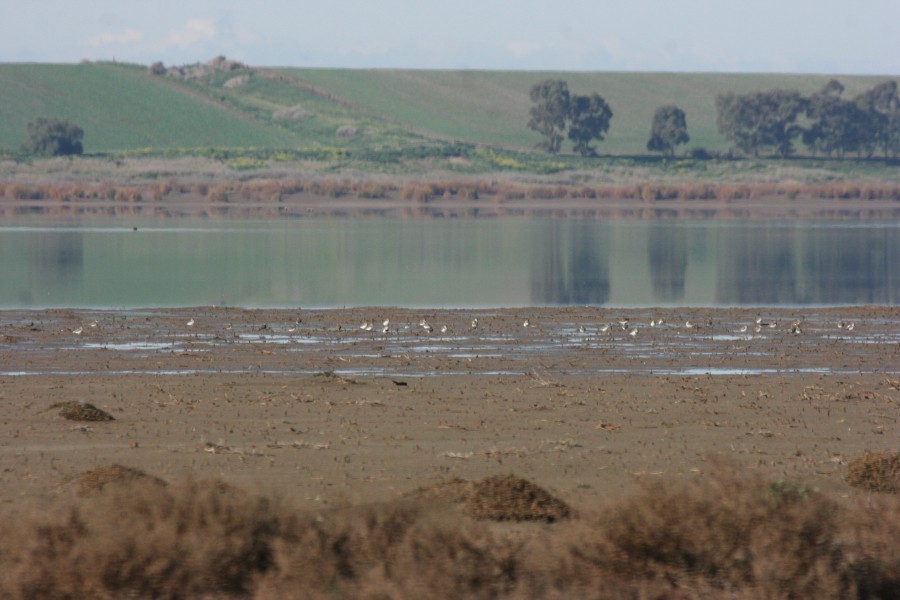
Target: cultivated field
{"x": 123, "y": 107}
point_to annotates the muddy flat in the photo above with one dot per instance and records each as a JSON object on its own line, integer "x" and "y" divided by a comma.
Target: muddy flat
{"x": 334, "y": 406}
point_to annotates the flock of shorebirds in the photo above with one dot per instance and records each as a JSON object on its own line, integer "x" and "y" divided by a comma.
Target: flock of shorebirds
{"x": 625, "y": 325}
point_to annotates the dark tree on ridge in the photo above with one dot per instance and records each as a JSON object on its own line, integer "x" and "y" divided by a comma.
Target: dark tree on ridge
{"x": 589, "y": 116}
{"x": 669, "y": 129}
{"x": 53, "y": 137}
{"x": 753, "y": 122}
{"x": 549, "y": 113}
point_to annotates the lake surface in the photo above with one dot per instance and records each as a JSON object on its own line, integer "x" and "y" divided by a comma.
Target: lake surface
{"x": 103, "y": 262}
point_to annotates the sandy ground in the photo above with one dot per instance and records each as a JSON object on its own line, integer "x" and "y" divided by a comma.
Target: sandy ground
{"x": 309, "y": 406}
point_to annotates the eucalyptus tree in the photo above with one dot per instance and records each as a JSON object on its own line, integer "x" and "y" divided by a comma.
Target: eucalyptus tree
{"x": 669, "y": 129}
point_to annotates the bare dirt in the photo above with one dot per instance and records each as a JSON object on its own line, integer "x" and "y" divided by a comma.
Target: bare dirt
{"x": 309, "y": 406}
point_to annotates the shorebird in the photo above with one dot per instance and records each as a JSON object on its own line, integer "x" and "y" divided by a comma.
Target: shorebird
{"x": 633, "y": 332}
{"x": 527, "y": 323}
{"x": 384, "y": 328}
{"x": 78, "y": 330}
{"x": 623, "y": 324}
{"x": 365, "y": 326}
{"x": 688, "y": 325}
{"x": 795, "y": 328}
{"x": 443, "y": 329}
{"x": 742, "y": 329}
{"x": 475, "y": 323}
{"x": 581, "y": 329}
{"x": 190, "y": 323}
{"x": 93, "y": 324}
{"x": 850, "y": 326}
{"x": 386, "y": 322}
{"x": 604, "y": 328}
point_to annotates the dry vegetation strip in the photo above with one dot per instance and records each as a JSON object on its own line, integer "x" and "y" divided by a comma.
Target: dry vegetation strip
{"x": 731, "y": 534}
{"x": 274, "y": 191}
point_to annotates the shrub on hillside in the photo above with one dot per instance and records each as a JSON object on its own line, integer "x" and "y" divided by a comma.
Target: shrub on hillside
{"x": 292, "y": 113}
{"x": 53, "y": 137}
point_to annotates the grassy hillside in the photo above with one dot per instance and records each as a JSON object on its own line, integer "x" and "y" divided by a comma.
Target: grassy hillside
{"x": 120, "y": 107}
{"x": 492, "y": 107}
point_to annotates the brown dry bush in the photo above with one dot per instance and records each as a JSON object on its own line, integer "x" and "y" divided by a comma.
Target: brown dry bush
{"x": 140, "y": 540}
{"x": 733, "y": 533}
{"x": 511, "y": 498}
{"x": 97, "y": 479}
{"x": 728, "y": 535}
{"x": 78, "y": 410}
{"x": 875, "y": 471}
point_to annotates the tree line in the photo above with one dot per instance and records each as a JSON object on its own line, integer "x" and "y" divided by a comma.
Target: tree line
{"x": 769, "y": 121}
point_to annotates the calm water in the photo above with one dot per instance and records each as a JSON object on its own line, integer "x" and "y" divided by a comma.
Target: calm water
{"x": 416, "y": 262}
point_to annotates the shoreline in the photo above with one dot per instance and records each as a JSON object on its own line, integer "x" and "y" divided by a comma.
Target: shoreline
{"x": 589, "y": 416}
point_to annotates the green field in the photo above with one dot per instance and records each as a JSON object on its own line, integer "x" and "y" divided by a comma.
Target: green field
{"x": 492, "y": 107}
{"x": 123, "y": 108}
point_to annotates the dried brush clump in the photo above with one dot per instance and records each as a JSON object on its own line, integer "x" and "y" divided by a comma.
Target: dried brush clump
{"x": 737, "y": 536}
{"x": 81, "y": 411}
{"x": 511, "y": 498}
{"x": 875, "y": 471}
{"x": 140, "y": 540}
{"x": 113, "y": 474}
{"x": 729, "y": 534}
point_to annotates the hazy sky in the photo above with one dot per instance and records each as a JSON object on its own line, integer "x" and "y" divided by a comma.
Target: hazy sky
{"x": 799, "y": 36}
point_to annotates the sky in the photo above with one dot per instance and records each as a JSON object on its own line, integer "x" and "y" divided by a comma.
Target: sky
{"x": 765, "y": 36}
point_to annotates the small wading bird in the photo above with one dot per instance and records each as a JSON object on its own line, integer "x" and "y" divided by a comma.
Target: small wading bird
{"x": 633, "y": 332}
{"x": 78, "y": 330}
{"x": 190, "y": 323}
{"x": 475, "y": 323}
{"x": 527, "y": 323}
{"x": 604, "y": 328}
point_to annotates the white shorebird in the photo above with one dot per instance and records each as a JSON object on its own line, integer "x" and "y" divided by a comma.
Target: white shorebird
{"x": 190, "y": 323}
{"x": 386, "y": 323}
{"x": 623, "y": 324}
{"x": 365, "y": 326}
{"x": 795, "y": 328}
{"x": 633, "y": 332}
{"x": 688, "y": 325}
{"x": 78, "y": 330}
{"x": 475, "y": 323}
{"x": 850, "y": 326}
{"x": 527, "y": 323}
{"x": 443, "y": 329}
{"x": 93, "y": 324}
{"x": 581, "y": 329}
{"x": 742, "y": 329}
{"x": 604, "y": 328}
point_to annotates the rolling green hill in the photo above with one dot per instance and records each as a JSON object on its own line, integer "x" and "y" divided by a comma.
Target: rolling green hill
{"x": 122, "y": 107}
{"x": 492, "y": 107}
